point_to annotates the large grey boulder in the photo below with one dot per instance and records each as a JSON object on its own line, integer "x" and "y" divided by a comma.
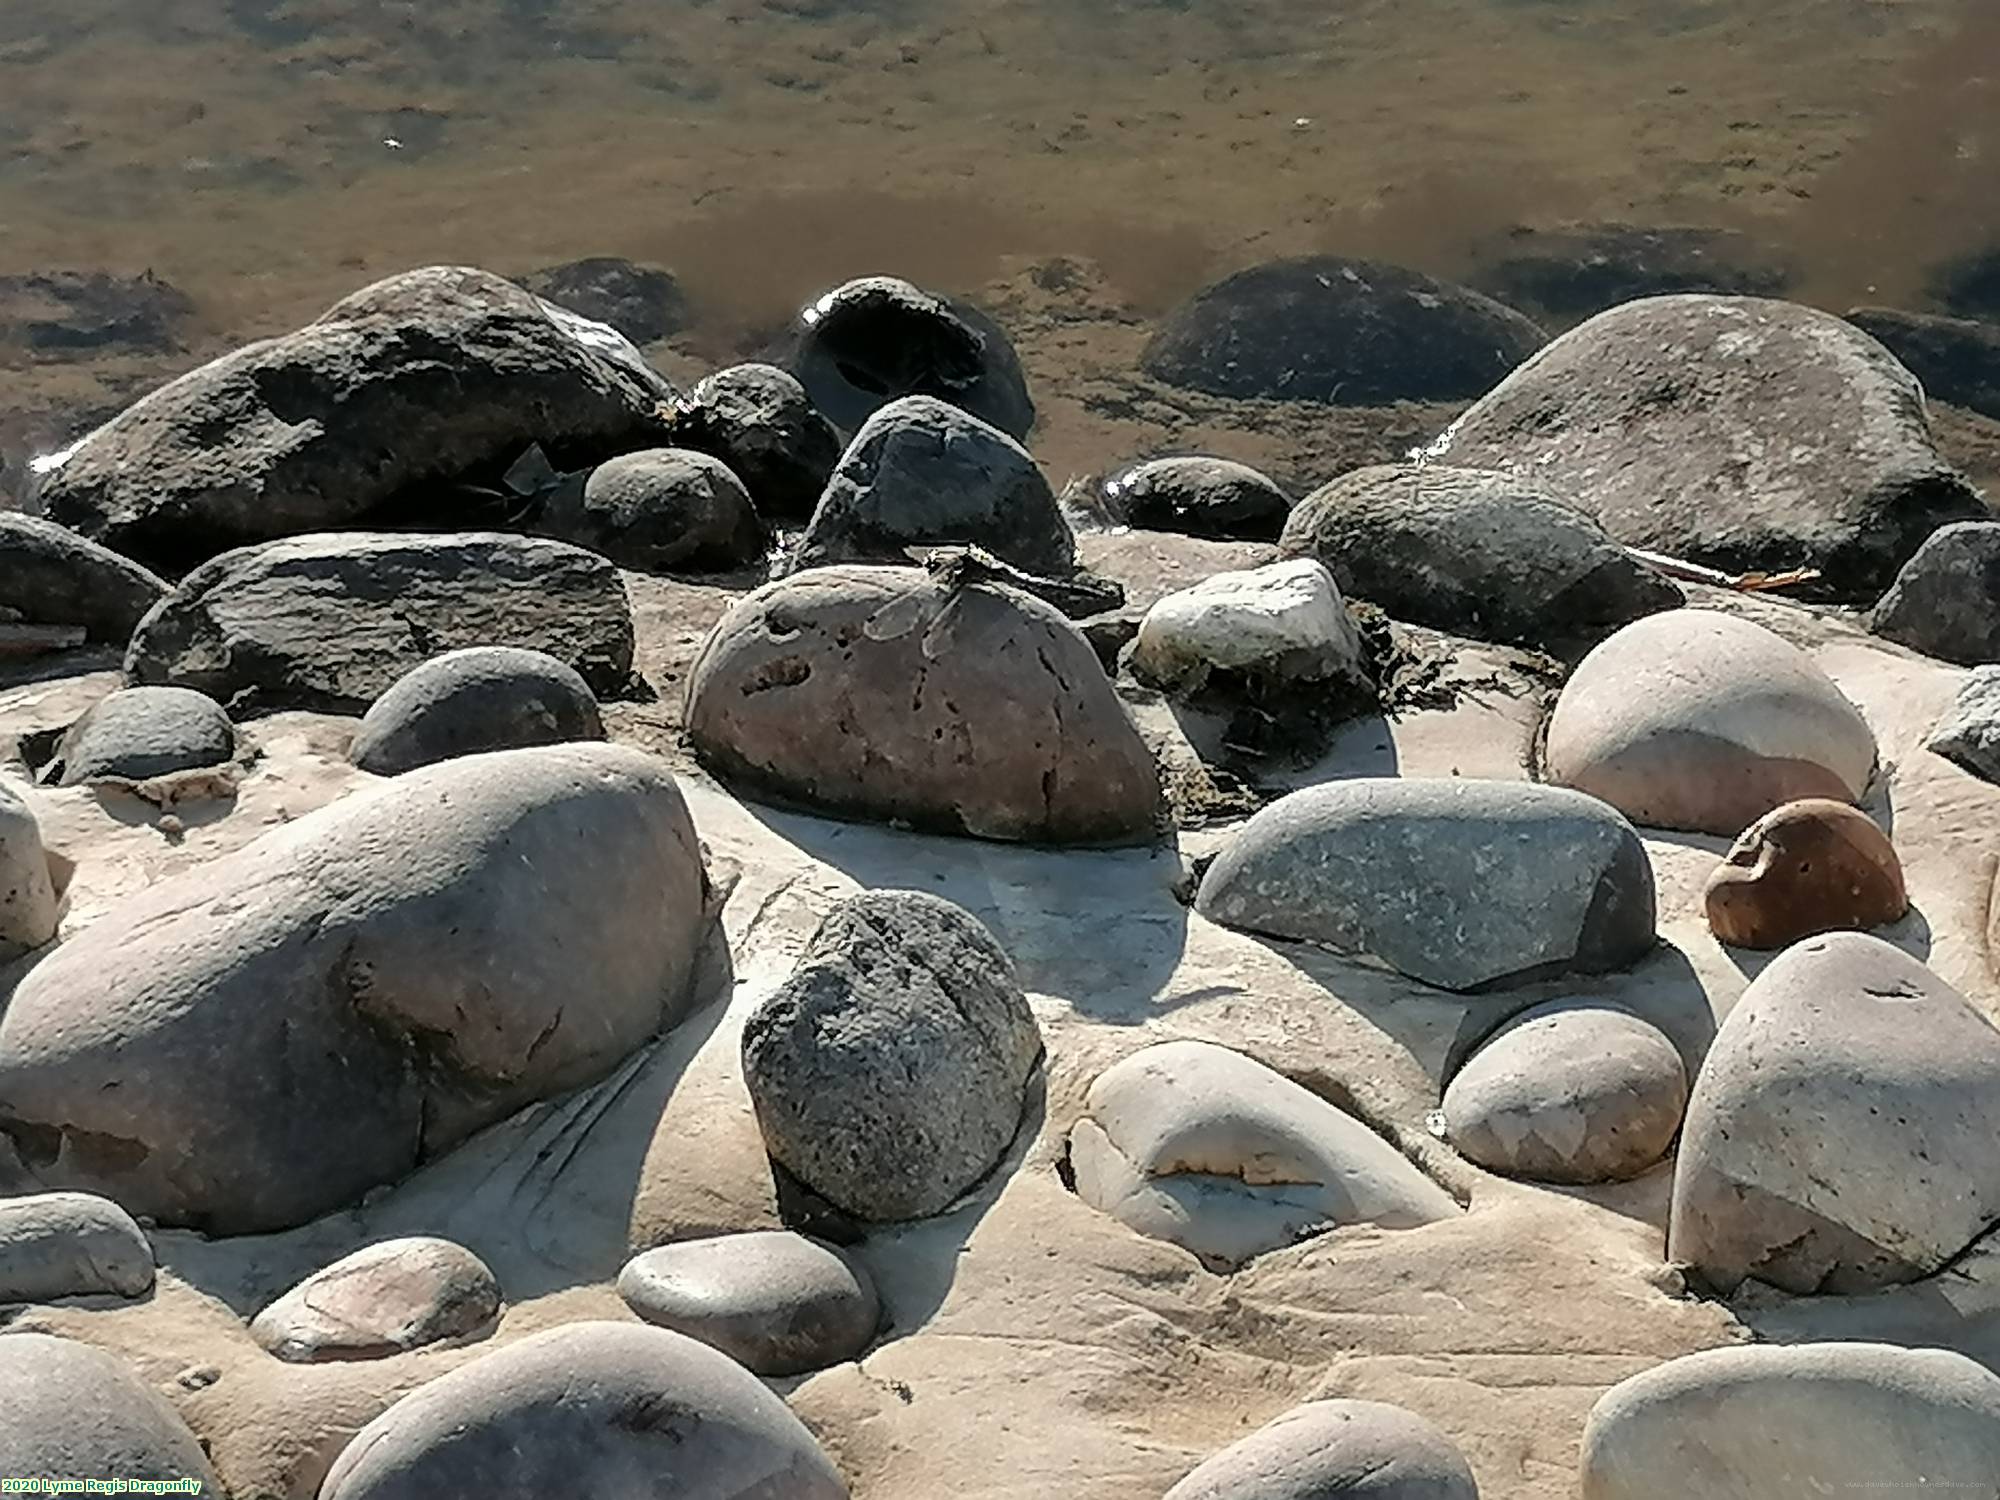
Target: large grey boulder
{"x": 660, "y": 509}
{"x": 142, "y": 732}
{"x": 776, "y": 1302}
{"x": 75, "y": 1412}
{"x": 265, "y": 1037}
{"x": 1210, "y": 1150}
{"x": 1330, "y": 1450}
{"x": 1969, "y": 733}
{"x": 412, "y": 382}
{"x": 1487, "y": 555}
{"x": 1462, "y": 884}
{"x": 71, "y": 1245}
{"x": 329, "y": 622}
{"x": 1839, "y": 1136}
{"x": 1737, "y": 432}
{"x": 1946, "y": 600}
{"x": 30, "y": 905}
{"x": 758, "y": 420}
{"x": 1764, "y": 1420}
{"x": 887, "y": 694}
{"x": 889, "y": 1072}
{"x": 384, "y": 1299}
{"x": 616, "y": 1410}
{"x": 920, "y": 470}
{"x": 473, "y": 700}
{"x": 1697, "y": 720}
{"x": 49, "y": 575}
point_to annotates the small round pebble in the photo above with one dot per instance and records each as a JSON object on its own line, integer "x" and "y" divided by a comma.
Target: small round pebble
{"x": 1808, "y": 867}
{"x": 478, "y": 699}
{"x": 382, "y": 1300}
{"x": 775, "y": 1302}
{"x": 140, "y": 732}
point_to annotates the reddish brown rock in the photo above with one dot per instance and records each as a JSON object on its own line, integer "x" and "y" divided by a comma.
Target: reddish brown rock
{"x": 1805, "y": 868}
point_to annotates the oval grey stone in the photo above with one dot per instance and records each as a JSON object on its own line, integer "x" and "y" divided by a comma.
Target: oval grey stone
{"x": 29, "y": 905}
{"x": 464, "y": 702}
{"x": 661, "y": 508}
{"x": 142, "y": 732}
{"x": 78, "y": 1412}
{"x": 1366, "y": 1449}
{"x": 383, "y": 1299}
{"x": 71, "y": 1245}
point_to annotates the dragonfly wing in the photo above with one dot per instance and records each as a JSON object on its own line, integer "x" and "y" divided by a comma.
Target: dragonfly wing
{"x": 943, "y": 627}
{"x": 900, "y": 615}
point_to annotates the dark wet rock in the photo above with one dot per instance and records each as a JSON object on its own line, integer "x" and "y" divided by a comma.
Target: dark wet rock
{"x": 878, "y": 339}
{"x": 888, "y": 694}
{"x": 1957, "y": 359}
{"x": 1346, "y": 332}
{"x": 1802, "y": 869}
{"x": 758, "y": 420}
{"x": 29, "y": 906}
{"x": 1366, "y": 1450}
{"x": 89, "y": 312}
{"x": 890, "y": 1071}
{"x": 659, "y": 509}
{"x": 71, "y": 1245}
{"x": 1737, "y": 432}
{"x": 330, "y": 622}
{"x": 414, "y": 382}
{"x": 1198, "y": 496}
{"x": 1573, "y": 272}
{"x": 143, "y": 732}
{"x": 1461, "y": 884}
{"x": 384, "y": 1299}
{"x": 262, "y": 1039}
{"x": 921, "y": 470}
{"x": 1946, "y": 600}
{"x": 642, "y": 302}
{"x": 1839, "y": 1136}
{"x": 49, "y": 575}
{"x": 1969, "y": 733}
{"x": 604, "y": 1409}
{"x": 1477, "y": 553}
{"x": 75, "y": 1412}
{"x": 775, "y": 1302}
{"x": 1569, "y": 1091}
{"x": 469, "y": 701}
{"x": 1969, "y": 285}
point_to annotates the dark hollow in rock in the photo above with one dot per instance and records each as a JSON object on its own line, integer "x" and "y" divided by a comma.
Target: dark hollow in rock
{"x": 1957, "y": 359}
{"x": 660, "y": 508}
{"x": 83, "y": 312}
{"x": 758, "y": 420}
{"x": 879, "y": 338}
{"x": 1198, "y": 496}
{"x": 470, "y": 701}
{"x": 642, "y": 302}
{"x": 1346, "y": 332}
{"x": 1570, "y": 273}
{"x": 49, "y": 575}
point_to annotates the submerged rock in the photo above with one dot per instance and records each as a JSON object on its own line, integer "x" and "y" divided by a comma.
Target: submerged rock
{"x": 642, "y": 302}
{"x": 1802, "y": 869}
{"x": 1957, "y": 359}
{"x": 1573, "y": 272}
{"x": 385, "y": 1299}
{"x": 474, "y": 700}
{"x": 1325, "y": 1449}
{"x": 88, "y": 312}
{"x": 142, "y": 732}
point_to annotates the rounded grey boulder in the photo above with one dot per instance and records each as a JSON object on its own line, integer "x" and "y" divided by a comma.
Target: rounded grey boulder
{"x": 890, "y": 1070}
{"x": 476, "y": 699}
{"x": 1462, "y": 884}
{"x": 602, "y": 1409}
{"x": 29, "y": 906}
{"x": 50, "y": 575}
{"x": 1199, "y": 496}
{"x": 1366, "y": 1449}
{"x": 775, "y": 1302}
{"x": 381, "y": 1300}
{"x": 141, "y": 732}
{"x": 1969, "y": 733}
{"x": 1569, "y": 1091}
{"x": 71, "y": 1245}
{"x": 661, "y": 508}
{"x": 77, "y": 1412}
{"x": 1946, "y": 600}
{"x": 758, "y": 420}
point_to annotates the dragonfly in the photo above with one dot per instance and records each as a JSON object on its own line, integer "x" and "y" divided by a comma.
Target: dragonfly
{"x": 934, "y": 605}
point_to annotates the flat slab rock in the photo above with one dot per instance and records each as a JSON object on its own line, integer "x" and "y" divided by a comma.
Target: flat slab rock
{"x": 384, "y": 1299}
{"x": 71, "y": 1245}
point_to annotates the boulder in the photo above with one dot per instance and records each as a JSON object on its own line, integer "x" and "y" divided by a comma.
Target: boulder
{"x": 1199, "y": 496}
{"x": 1571, "y": 272}
{"x": 1346, "y": 332}
{"x": 74, "y": 1412}
{"x": 473, "y": 700}
{"x": 883, "y": 693}
{"x": 385, "y": 1299}
{"x": 775, "y": 1302}
{"x": 1697, "y": 720}
{"x": 758, "y": 420}
{"x": 71, "y": 1245}
{"x": 1284, "y": 623}
{"x": 1803, "y": 869}
{"x": 1969, "y": 733}
{"x": 49, "y": 575}
{"x": 1764, "y": 1420}
{"x": 1326, "y": 1449}
{"x": 890, "y": 1071}
{"x": 1461, "y": 884}
{"x": 1569, "y": 1091}
{"x": 921, "y": 470}
{"x": 1946, "y": 601}
{"x": 1210, "y": 1150}
{"x": 1737, "y": 432}
{"x": 29, "y": 902}
{"x": 265, "y": 1037}
{"x": 412, "y": 382}
{"x": 1957, "y": 359}
{"x": 329, "y": 622}
{"x": 658, "y": 509}
{"x": 1479, "y": 554}
{"x": 143, "y": 732}
{"x": 1839, "y": 1136}
{"x": 877, "y": 339}
{"x": 607, "y": 1409}
{"x": 643, "y": 303}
